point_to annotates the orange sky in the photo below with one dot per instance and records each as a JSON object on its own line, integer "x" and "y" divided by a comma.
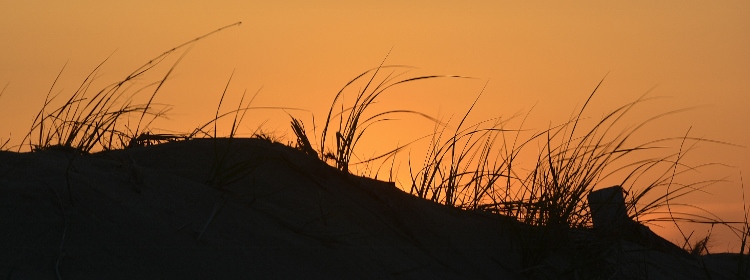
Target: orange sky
{"x": 302, "y": 52}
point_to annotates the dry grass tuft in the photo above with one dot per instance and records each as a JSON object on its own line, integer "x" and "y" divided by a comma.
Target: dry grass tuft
{"x": 102, "y": 119}
{"x": 352, "y": 127}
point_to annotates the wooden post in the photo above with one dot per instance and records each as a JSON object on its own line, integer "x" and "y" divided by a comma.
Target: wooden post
{"x": 610, "y": 217}
{"x": 607, "y": 207}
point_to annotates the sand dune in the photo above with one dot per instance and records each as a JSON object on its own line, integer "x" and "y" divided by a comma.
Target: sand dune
{"x": 272, "y": 212}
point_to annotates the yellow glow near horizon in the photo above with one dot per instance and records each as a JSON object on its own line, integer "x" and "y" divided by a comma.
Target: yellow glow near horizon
{"x": 546, "y": 55}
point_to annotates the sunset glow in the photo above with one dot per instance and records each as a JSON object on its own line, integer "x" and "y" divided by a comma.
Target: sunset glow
{"x": 542, "y": 58}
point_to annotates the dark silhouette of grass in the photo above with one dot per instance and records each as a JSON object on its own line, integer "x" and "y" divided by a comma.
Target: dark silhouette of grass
{"x": 85, "y": 122}
{"x": 468, "y": 171}
{"x": 473, "y": 167}
{"x": 351, "y": 129}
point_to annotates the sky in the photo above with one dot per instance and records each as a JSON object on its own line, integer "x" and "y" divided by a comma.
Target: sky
{"x": 538, "y": 57}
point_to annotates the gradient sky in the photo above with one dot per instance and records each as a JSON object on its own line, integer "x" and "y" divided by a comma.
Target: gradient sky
{"x": 542, "y": 54}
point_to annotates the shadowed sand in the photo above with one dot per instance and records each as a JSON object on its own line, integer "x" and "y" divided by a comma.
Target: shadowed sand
{"x": 271, "y": 211}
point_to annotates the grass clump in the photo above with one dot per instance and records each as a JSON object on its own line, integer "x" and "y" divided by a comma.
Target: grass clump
{"x": 102, "y": 120}
{"x": 352, "y": 120}
{"x": 461, "y": 170}
{"x": 477, "y": 168}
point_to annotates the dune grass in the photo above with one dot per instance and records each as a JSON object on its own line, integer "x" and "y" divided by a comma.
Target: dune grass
{"x": 102, "y": 120}
{"x": 473, "y": 167}
{"x": 476, "y": 167}
{"x": 352, "y": 120}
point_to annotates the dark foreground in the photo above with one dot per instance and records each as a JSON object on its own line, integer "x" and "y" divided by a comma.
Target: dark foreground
{"x": 251, "y": 209}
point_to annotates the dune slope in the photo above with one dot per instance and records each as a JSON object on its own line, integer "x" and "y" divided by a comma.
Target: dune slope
{"x": 272, "y": 212}
{"x": 249, "y": 208}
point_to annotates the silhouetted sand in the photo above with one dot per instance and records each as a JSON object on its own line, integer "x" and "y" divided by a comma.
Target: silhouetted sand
{"x": 160, "y": 212}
